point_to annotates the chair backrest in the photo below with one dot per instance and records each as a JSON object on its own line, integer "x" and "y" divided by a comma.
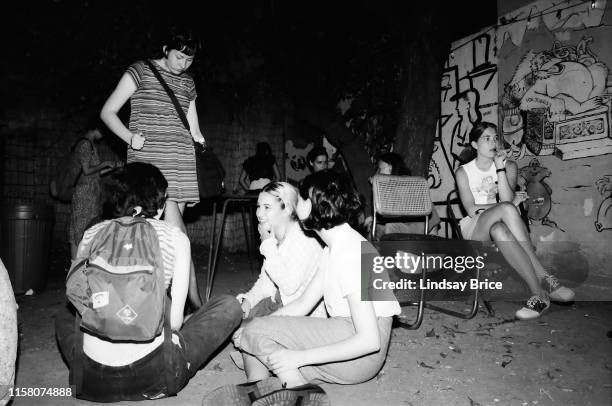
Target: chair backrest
{"x": 401, "y": 195}
{"x": 454, "y": 213}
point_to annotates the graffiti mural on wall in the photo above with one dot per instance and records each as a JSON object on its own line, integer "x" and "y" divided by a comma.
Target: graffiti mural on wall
{"x": 604, "y": 214}
{"x": 539, "y": 202}
{"x": 558, "y": 102}
{"x": 468, "y": 95}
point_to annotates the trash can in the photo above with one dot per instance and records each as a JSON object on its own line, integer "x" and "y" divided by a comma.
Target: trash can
{"x": 26, "y": 231}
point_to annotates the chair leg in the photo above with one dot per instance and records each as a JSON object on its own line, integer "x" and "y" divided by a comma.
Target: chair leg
{"x": 420, "y": 308}
{"x": 488, "y": 306}
{"x": 462, "y": 315}
{"x": 247, "y": 237}
{"x": 420, "y": 311}
{"x": 470, "y": 314}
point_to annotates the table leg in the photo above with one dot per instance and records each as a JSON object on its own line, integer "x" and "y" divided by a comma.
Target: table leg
{"x": 211, "y": 245}
{"x": 216, "y": 251}
{"x": 247, "y": 236}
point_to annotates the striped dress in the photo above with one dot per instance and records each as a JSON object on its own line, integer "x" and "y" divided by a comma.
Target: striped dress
{"x": 168, "y": 145}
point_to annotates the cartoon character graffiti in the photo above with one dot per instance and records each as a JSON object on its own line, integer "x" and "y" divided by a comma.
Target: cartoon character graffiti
{"x": 434, "y": 178}
{"x": 296, "y": 167}
{"x": 604, "y": 214}
{"x": 539, "y": 203}
{"x": 458, "y": 150}
{"x": 555, "y": 84}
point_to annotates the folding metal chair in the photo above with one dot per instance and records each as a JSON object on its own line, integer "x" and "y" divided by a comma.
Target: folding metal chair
{"x": 395, "y": 197}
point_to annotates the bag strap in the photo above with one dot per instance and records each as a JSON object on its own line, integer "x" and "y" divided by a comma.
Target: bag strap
{"x": 171, "y": 94}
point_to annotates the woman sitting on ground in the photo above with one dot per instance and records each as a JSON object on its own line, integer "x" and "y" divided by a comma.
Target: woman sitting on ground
{"x": 487, "y": 187}
{"x": 350, "y": 346}
{"x": 118, "y": 370}
{"x": 260, "y": 169}
{"x": 391, "y": 163}
{"x": 291, "y": 259}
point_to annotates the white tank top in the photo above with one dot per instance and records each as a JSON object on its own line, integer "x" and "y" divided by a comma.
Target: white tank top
{"x": 483, "y": 184}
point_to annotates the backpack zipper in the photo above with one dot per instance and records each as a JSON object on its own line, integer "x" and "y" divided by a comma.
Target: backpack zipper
{"x": 98, "y": 267}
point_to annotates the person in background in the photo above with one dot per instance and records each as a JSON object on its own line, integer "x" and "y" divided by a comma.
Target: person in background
{"x": 351, "y": 345}
{"x": 317, "y": 159}
{"x": 86, "y": 200}
{"x": 259, "y": 169}
{"x": 156, "y": 133}
{"x": 391, "y": 163}
{"x": 487, "y": 187}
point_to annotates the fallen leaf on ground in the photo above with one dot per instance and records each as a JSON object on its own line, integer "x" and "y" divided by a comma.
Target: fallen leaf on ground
{"x": 473, "y": 402}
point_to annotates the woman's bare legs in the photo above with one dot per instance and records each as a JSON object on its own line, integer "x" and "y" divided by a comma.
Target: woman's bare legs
{"x": 173, "y": 214}
{"x": 502, "y": 223}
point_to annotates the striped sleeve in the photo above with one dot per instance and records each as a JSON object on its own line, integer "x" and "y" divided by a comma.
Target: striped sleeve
{"x": 136, "y": 71}
{"x": 88, "y": 235}
{"x": 167, "y": 234}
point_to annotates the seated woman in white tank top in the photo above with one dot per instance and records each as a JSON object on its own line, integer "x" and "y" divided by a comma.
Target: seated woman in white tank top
{"x": 487, "y": 187}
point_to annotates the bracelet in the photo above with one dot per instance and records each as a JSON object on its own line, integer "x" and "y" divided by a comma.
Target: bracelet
{"x": 501, "y": 170}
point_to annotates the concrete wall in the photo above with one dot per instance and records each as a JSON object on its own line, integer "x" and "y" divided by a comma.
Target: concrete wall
{"x": 543, "y": 75}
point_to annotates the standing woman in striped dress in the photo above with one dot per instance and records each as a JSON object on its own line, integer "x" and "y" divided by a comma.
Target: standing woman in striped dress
{"x": 156, "y": 134}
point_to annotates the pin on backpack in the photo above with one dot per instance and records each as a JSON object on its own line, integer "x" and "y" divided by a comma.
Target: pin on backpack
{"x": 119, "y": 289}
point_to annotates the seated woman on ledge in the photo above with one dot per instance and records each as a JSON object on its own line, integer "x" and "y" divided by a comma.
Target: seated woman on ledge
{"x": 350, "y": 346}
{"x": 481, "y": 182}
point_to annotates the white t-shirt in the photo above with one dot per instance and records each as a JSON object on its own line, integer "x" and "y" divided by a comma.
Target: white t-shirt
{"x": 483, "y": 184}
{"x": 341, "y": 267}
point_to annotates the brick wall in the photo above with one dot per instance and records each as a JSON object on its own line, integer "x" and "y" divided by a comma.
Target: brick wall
{"x": 33, "y": 145}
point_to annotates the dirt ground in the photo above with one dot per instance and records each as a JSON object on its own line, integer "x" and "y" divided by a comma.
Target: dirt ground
{"x": 563, "y": 358}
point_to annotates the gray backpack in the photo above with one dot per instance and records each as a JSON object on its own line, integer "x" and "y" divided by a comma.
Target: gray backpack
{"x": 119, "y": 289}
